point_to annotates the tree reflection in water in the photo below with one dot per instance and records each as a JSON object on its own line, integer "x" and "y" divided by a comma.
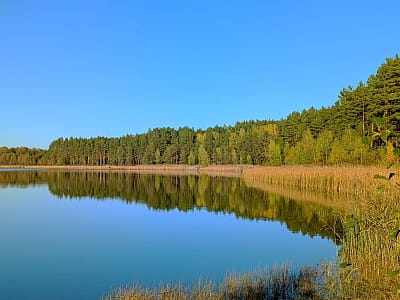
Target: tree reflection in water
{"x": 162, "y": 192}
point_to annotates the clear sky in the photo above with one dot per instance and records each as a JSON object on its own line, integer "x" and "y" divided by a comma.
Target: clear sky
{"x": 108, "y": 68}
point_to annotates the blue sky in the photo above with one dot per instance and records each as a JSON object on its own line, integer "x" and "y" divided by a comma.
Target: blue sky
{"x": 108, "y": 68}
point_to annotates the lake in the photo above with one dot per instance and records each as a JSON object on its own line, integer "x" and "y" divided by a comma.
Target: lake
{"x": 78, "y": 234}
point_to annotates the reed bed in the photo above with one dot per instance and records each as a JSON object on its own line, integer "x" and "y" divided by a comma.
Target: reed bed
{"x": 370, "y": 253}
{"x": 315, "y": 196}
{"x": 276, "y": 283}
{"x": 225, "y": 170}
{"x": 371, "y": 248}
{"x": 348, "y": 182}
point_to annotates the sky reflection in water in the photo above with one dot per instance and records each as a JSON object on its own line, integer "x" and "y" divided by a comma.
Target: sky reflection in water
{"x": 55, "y": 247}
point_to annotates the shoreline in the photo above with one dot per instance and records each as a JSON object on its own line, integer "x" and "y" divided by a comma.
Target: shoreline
{"x": 217, "y": 170}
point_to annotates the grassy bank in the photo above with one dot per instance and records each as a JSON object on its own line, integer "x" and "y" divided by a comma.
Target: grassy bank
{"x": 370, "y": 247}
{"x": 275, "y": 283}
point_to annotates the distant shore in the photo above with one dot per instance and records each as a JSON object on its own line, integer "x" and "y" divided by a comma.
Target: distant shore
{"x": 225, "y": 170}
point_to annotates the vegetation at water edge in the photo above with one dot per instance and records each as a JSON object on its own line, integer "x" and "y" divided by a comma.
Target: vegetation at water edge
{"x": 277, "y": 283}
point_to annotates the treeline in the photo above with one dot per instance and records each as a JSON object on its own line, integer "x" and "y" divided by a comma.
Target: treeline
{"x": 21, "y": 156}
{"x": 362, "y": 128}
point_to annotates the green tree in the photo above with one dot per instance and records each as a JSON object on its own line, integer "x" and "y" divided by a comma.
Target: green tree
{"x": 157, "y": 156}
{"x": 203, "y": 156}
{"x": 350, "y": 149}
{"x": 274, "y": 153}
{"x": 192, "y": 157}
{"x": 384, "y": 95}
{"x": 171, "y": 155}
{"x": 323, "y": 146}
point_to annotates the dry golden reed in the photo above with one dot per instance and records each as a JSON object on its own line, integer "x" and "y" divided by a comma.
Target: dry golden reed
{"x": 346, "y": 182}
{"x": 371, "y": 243}
{"x": 275, "y": 283}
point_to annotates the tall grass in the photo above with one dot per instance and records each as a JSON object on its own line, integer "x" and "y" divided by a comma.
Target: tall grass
{"x": 372, "y": 249}
{"x": 371, "y": 244}
{"x": 307, "y": 195}
{"x": 224, "y": 170}
{"x": 345, "y": 182}
{"x": 277, "y": 283}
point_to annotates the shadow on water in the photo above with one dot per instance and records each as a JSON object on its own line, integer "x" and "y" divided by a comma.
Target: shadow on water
{"x": 185, "y": 193}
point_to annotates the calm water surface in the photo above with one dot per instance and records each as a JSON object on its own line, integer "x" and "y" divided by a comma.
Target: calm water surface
{"x": 76, "y": 235}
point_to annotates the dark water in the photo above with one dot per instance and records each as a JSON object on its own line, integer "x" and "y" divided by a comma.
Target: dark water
{"x": 76, "y": 235}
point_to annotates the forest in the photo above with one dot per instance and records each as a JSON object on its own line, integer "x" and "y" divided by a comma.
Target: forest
{"x": 361, "y": 128}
